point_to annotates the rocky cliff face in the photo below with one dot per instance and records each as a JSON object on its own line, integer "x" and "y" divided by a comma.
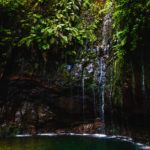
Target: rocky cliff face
{"x": 32, "y": 106}
{"x": 134, "y": 85}
{"x": 27, "y": 104}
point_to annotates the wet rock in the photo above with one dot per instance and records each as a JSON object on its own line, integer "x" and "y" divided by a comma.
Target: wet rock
{"x": 89, "y": 127}
{"x": 32, "y": 107}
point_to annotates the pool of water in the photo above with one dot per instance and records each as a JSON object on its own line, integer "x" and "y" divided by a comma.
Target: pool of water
{"x": 64, "y": 142}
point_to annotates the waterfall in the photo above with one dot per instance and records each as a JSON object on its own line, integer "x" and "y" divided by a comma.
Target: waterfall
{"x": 102, "y": 87}
{"x": 94, "y": 101}
{"x": 143, "y": 78}
{"x": 83, "y": 94}
{"x": 143, "y": 84}
{"x": 133, "y": 83}
{"x": 104, "y": 52}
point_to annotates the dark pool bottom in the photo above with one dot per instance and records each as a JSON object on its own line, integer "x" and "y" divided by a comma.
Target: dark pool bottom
{"x": 65, "y": 143}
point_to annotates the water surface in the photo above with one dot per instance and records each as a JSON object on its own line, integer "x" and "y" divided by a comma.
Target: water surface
{"x": 65, "y": 143}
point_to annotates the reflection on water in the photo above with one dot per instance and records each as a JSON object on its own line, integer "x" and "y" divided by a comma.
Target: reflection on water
{"x": 65, "y": 143}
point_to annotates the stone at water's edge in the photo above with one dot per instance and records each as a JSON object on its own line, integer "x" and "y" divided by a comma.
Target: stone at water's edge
{"x": 93, "y": 127}
{"x": 32, "y": 107}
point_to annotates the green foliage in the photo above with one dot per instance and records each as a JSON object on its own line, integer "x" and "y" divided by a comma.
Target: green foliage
{"x": 58, "y": 27}
{"x": 130, "y": 18}
{"x": 130, "y": 24}
{"x": 118, "y": 81}
{"x": 9, "y": 130}
{"x": 65, "y": 26}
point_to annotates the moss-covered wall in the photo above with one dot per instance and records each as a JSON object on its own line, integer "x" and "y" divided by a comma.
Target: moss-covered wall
{"x": 130, "y": 57}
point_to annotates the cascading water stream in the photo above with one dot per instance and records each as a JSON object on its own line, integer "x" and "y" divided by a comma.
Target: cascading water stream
{"x": 83, "y": 95}
{"x": 143, "y": 77}
{"x": 143, "y": 84}
{"x": 133, "y": 84}
{"x": 102, "y": 87}
{"x": 104, "y": 51}
{"x": 94, "y": 101}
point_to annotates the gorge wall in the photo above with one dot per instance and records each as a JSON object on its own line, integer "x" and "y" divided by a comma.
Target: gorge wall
{"x": 70, "y": 84}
